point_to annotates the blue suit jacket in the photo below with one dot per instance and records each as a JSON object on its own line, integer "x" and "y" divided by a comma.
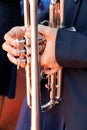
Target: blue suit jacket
{"x": 71, "y": 54}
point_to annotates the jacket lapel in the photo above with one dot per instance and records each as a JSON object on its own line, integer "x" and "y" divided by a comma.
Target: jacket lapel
{"x": 70, "y": 11}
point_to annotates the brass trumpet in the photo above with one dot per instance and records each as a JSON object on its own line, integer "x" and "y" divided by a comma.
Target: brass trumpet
{"x": 31, "y": 58}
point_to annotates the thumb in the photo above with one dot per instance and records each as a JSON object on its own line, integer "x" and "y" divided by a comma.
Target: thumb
{"x": 43, "y": 29}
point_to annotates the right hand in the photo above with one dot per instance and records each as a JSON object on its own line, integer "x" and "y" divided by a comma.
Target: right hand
{"x": 10, "y": 45}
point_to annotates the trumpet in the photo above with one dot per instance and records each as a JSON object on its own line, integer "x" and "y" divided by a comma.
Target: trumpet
{"x": 31, "y": 58}
{"x": 56, "y": 12}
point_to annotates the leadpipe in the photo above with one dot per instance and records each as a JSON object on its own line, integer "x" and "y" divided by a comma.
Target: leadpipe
{"x": 35, "y": 118}
{"x": 32, "y": 76}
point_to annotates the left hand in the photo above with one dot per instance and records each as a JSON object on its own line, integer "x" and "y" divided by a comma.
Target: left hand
{"x": 48, "y": 59}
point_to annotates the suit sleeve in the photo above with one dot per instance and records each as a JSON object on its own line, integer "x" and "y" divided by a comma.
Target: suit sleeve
{"x": 71, "y": 49}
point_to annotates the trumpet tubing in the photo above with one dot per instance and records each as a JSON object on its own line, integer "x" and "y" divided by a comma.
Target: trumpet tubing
{"x": 54, "y": 14}
{"x": 31, "y": 48}
{"x": 54, "y": 80}
{"x": 31, "y": 54}
{"x": 32, "y": 68}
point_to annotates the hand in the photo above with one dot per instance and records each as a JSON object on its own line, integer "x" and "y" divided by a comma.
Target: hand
{"x": 10, "y": 45}
{"x": 48, "y": 59}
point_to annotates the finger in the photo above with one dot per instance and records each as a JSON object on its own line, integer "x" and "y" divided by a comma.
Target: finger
{"x": 14, "y": 33}
{"x": 12, "y": 58}
{"x": 50, "y": 71}
{"x": 23, "y": 65}
{"x": 10, "y": 49}
{"x": 43, "y": 29}
{"x": 21, "y": 58}
{"x": 28, "y": 32}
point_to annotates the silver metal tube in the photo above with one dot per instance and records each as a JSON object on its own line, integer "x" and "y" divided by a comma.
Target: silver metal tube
{"x": 34, "y": 67}
{"x": 32, "y": 75}
{"x": 27, "y": 69}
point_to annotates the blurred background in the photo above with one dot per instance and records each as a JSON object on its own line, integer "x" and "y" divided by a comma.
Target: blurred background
{"x": 12, "y": 107}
